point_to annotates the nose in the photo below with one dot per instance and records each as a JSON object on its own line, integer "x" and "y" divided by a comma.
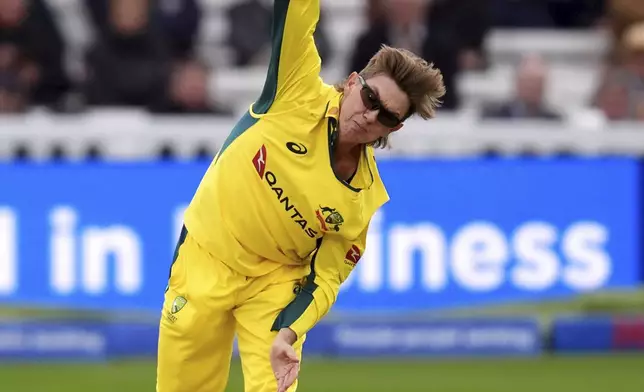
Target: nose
{"x": 370, "y": 116}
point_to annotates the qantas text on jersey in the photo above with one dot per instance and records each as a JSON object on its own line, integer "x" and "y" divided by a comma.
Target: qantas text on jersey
{"x": 260, "y": 163}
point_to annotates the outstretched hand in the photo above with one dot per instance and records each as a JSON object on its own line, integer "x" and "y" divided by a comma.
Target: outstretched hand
{"x": 284, "y": 360}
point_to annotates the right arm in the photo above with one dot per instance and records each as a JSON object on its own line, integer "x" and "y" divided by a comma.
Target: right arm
{"x": 294, "y": 69}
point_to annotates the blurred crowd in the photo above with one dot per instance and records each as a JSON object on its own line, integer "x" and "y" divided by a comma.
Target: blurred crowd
{"x": 141, "y": 56}
{"x": 143, "y": 52}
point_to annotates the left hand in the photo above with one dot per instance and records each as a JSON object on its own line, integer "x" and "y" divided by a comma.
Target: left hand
{"x": 284, "y": 360}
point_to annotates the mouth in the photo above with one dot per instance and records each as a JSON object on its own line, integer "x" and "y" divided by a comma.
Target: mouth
{"x": 360, "y": 127}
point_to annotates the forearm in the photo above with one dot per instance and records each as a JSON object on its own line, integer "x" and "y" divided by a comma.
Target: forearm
{"x": 321, "y": 301}
{"x": 309, "y": 307}
{"x": 287, "y": 335}
{"x": 330, "y": 266}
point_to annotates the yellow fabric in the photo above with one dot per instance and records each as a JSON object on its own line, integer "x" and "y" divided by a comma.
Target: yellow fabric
{"x": 271, "y": 195}
{"x": 205, "y": 304}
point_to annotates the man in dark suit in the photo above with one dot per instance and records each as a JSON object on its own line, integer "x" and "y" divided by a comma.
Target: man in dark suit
{"x": 448, "y": 33}
{"x": 249, "y": 33}
{"x": 528, "y": 100}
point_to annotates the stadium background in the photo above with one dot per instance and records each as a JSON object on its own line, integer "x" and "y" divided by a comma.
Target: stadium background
{"x": 517, "y": 246}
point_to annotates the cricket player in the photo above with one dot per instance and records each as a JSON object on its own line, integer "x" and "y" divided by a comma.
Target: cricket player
{"x": 281, "y": 216}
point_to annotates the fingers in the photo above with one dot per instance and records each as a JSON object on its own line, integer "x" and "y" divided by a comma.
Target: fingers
{"x": 280, "y": 384}
{"x": 287, "y": 377}
{"x": 292, "y": 356}
{"x": 286, "y": 366}
{"x": 281, "y": 379}
{"x": 291, "y": 376}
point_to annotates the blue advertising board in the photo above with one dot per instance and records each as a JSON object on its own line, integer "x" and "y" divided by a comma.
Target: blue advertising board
{"x": 467, "y": 337}
{"x": 582, "y": 334}
{"x": 20, "y": 340}
{"x": 98, "y": 341}
{"x": 39, "y": 340}
{"x": 455, "y": 233}
{"x": 598, "y": 334}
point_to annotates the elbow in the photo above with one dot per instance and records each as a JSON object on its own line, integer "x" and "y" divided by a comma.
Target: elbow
{"x": 328, "y": 291}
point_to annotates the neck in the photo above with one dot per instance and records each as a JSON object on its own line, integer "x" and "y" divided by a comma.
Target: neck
{"x": 346, "y": 155}
{"x": 346, "y": 158}
{"x": 344, "y": 151}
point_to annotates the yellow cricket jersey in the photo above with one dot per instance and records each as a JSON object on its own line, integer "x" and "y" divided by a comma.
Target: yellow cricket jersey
{"x": 271, "y": 197}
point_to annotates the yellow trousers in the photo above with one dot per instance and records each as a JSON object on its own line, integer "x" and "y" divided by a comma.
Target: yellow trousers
{"x": 205, "y": 305}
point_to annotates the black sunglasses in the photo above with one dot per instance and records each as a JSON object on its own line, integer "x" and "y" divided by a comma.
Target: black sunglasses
{"x": 372, "y": 102}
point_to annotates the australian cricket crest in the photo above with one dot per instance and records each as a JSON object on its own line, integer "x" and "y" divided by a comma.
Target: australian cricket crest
{"x": 330, "y": 218}
{"x": 178, "y": 304}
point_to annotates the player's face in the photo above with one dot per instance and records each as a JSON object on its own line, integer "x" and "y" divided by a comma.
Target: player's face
{"x": 371, "y": 109}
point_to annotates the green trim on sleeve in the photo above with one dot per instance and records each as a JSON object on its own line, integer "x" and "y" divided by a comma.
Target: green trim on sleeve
{"x": 302, "y": 301}
{"x": 269, "y": 92}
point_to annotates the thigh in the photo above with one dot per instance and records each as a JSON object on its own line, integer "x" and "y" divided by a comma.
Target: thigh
{"x": 266, "y": 298}
{"x": 197, "y": 328}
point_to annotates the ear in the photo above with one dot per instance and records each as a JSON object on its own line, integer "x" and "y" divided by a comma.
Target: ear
{"x": 352, "y": 79}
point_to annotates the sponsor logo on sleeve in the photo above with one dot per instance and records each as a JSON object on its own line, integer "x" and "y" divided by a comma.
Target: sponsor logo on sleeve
{"x": 353, "y": 255}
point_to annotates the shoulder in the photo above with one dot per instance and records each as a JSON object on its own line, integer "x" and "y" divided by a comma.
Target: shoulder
{"x": 310, "y": 108}
{"x": 305, "y": 100}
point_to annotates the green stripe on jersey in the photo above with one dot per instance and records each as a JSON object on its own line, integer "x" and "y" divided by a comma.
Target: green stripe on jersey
{"x": 242, "y": 125}
{"x": 182, "y": 239}
{"x": 269, "y": 92}
{"x": 297, "y": 307}
{"x": 302, "y": 301}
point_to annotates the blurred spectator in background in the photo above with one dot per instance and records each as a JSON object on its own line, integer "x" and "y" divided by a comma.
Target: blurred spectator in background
{"x": 621, "y": 92}
{"x": 144, "y": 54}
{"x": 129, "y": 64}
{"x": 250, "y": 32}
{"x": 632, "y": 61}
{"x": 187, "y": 92}
{"x": 31, "y": 57}
{"x": 555, "y": 14}
{"x": 621, "y": 15}
{"x": 397, "y": 23}
{"x": 576, "y": 14}
{"x": 449, "y": 33}
{"x": 468, "y": 23}
{"x": 134, "y": 63}
{"x": 180, "y": 21}
{"x": 375, "y": 11}
{"x": 13, "y": 90}
{"x": 521, "y": 13}
{"x": 456, "y": 33}
{"x": 528, "y": 101}
{"x": 612, "y": 98}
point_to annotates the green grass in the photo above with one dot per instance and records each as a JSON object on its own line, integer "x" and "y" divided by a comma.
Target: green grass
{"x": 624, "y": 373}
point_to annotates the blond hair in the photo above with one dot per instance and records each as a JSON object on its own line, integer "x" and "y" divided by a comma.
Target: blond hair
{"x": 419, "y": 80}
